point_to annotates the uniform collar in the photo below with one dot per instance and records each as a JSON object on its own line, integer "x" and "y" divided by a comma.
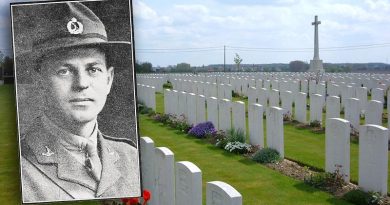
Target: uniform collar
{"x": 68, "y": 140}
{"x": 47, "y": 150}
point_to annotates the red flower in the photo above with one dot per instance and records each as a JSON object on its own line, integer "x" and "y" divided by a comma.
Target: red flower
{"x": 147, "y": 196}
{"x": 133, "y": 201}
{"x": 125, "y": 200}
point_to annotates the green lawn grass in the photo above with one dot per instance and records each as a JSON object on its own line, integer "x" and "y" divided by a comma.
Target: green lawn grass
{"x": 257, "y": 183}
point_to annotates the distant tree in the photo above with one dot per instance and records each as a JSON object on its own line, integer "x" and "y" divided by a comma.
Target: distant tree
{"x": 1, "y": 64}
{"x": 8, "y": 66}
{"x": 298, "y": 66}
{"x": 144, "y": 67}
{"x": 237, "y": 61}
{"x": 182, "y": 67}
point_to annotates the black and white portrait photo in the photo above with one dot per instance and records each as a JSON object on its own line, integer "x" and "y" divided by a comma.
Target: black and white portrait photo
{"x": 75, "y": 91}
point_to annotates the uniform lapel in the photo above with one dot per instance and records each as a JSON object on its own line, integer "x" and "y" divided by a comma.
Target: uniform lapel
{"x": 41, "y": 149}
{"x": 47, "y": 151}
{"x": 110, "y": 172}
{"x": 72, "y": 170}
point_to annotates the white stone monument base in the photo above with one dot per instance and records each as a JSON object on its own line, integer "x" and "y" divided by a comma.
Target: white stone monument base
{"x": 316, "y": 65}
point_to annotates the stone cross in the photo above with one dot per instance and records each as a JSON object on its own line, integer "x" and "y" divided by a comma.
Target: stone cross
{"x": 316, "y": 63}
{"x": 316, "y": 23}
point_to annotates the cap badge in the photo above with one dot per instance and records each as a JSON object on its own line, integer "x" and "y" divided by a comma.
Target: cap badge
{"x": 74, "y": 26}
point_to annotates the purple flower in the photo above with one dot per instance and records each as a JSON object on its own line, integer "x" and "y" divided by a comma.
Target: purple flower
{"x": 202, "y": 129}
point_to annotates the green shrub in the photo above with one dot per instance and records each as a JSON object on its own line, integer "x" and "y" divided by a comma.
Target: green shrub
{"x": 235, "y": 135}
{"x": 319, "y": 180}
{"x": 216, "y": 137}
{"x": 221, "y": 142}
{"x": 145, "y": 110}
{"x": 179, "y": 123}
{"x": 163, "y": 118}
{"x": 266, "y": 155}
{"x": 315, "y": 123}
{"x": 234, "y": 94}
{"x": 360, "y": 197}
{"x": 325, "y": 180}
{"x": 150, "y": 112}
{"x": 167, "y": 85}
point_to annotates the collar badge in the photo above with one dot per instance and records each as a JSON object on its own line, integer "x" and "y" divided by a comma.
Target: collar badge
{"x": 74, "y": 26}
{"x": 48, "y": 152}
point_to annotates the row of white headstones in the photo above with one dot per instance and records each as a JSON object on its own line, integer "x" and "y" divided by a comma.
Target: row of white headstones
{"x": 242, "y": 81}
{"x": 225, "y": 114}
{"x": 353, "y": 100}
{"x": 179, "y": 183}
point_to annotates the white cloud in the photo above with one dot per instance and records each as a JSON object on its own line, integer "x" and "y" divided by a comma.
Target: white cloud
{"x": 141, "y": 10}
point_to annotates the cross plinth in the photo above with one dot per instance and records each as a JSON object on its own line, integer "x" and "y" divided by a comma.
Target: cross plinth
{"x": 316, "y": 63}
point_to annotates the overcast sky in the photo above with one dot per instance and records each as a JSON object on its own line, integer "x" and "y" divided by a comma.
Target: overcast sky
{"x": 281, "y": 31}
{"x": 271, "y": 31}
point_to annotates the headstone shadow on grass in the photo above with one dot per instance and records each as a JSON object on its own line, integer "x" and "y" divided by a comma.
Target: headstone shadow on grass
{"x": 304, "y": 187}
{"x": 336, "y": 201}
{"x": 247, "y": 161}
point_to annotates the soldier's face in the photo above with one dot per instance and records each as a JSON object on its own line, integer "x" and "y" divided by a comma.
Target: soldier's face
{"x": 76, "y": 84}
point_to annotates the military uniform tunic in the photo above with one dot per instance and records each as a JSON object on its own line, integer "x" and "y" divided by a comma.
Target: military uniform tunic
{"x": 53, "y": 167}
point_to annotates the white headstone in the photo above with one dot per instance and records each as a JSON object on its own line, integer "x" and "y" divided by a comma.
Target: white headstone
{"x": 212, "y": 111}
{"x": 175, "y": 102}
{"x": 263, "y": 97}
{"x": 316, "y": 104}
{"x": 200, "y": 109}
{"x": 378, "y": 94}
{"x": 228, "y": 91}
{"x": 321, "y": 89}
{"x": 352, "y": 112}
{"x": 275, "y": 84}
{"x": 167, "y": 101}
{"x": 252, "y": 95}
{"x": 274, "y": 98}
{"x": 287, "y": 98}
{"x": 332, "y": 107}
{"x": 374, "y": 112}
{"x": 388, "y": 109}
{"x": 346, "y": 92}
{"x": 182, "y": 104}
{"x": 224, "y": 114}
{"x": 213, "y": 90}
{"x": 148, "y": 166}
{"x": 191, "y": 108}
{"x": 259, "y": 84}
{"x": 267, "y": 84}
{"x": 188, "y": 183}
{"x": 304, "y": 86}
{"x": 220, "y": 193}
{"x": 275, "y": 130}
{"x": 255, "y": 121}
{"x": 239, "y": 119}
{"x": 333, "y": 89}
{"x": 221, "y": 91}
{"x": 312, "y": 87}
{"x": 361, "y": 94}
{"x": 337, "y": 147}
{"x": 300, "y": 107}
{"x": 373, "y": 158}
{"x": 165, "y": 176}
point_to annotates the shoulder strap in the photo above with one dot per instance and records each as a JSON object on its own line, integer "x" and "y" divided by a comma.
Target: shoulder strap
{"x": 116, "y": 139}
